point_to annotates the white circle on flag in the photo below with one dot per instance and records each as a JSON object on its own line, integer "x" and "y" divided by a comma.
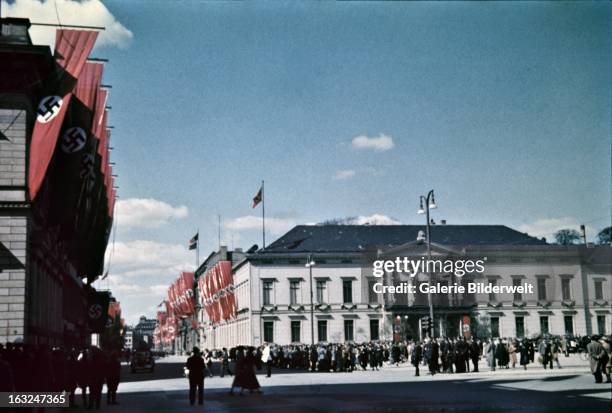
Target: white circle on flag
{"x": 48, "y": 108}
{"x": 73, "y": 140}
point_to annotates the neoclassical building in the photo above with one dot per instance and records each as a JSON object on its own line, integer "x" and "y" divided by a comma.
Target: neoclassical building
{"x": 273, "y": 287}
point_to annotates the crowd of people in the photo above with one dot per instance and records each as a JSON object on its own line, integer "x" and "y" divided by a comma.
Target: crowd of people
{"x": 441, "y": 355}
{"x": 42, "y": 368}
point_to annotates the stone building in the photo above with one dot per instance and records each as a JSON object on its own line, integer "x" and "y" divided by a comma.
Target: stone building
{"x": 571, "y": 287}
{"x": 52, "y": 233}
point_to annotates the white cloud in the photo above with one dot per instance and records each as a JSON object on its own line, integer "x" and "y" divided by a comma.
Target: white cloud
{"x": 343, "y": 174}
{"x": 141, "y": 272}
{"x": 251, "y": 222}
{"x": 547, "y": 227}
{"x": 149, "y": 259}
{"x": 147, "y": 213}
{"x": 83, "y": 13}
{"x": 380, "y": 143}
{"x": 374, "y": 219}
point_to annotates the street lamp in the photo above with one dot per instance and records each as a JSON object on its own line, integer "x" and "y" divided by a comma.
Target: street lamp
{"x": 429, "y": 202}
{"x": 309, "y": 264}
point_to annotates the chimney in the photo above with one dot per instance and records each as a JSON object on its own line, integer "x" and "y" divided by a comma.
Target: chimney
{"x": 442, "y": 222}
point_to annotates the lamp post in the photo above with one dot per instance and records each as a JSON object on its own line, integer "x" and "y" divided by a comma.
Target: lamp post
{"x": 309, "y": 264}
{"x": 430, "y": 203}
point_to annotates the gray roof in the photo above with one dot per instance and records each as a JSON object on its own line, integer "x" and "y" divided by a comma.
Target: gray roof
{"x": 355, "y": 238}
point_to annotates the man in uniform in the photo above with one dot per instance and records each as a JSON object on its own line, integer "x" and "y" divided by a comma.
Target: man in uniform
{"x": 195, "y": 365}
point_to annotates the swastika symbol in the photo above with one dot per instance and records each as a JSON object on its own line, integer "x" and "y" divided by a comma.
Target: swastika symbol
{"x": 95, "y": 311}
{"x": 73, "y": 140}
{"x": 48, "y": 108}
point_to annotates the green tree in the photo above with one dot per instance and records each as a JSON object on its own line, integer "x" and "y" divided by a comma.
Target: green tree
{"x": 605, "y": 236}
{"x": 567, "y": 236}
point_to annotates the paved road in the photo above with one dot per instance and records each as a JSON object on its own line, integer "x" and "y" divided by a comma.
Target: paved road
{"x": 391, "y": 390}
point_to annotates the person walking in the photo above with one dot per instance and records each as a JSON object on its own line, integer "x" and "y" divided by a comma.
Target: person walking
{"x": 490, "y": 352}
{"x": 266, "y": 358}
{"x": 97, "y": 363}
{"x": 113, "y": 376}
{"x": 195, "y": 366}
{"x": 416, "y": 355}
{"x": 606, "y": 367}
{"x": 208, "y": 359}
{"x": 545, "y": 351}
{"x": 225, "y": 367}
{"x": 512, "y": 350}
{"x": 523, "y": 349}
{"x": 596, "y": 354}
{"x": 474, "y": 351}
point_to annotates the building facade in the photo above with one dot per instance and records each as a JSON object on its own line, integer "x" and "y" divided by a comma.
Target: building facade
{"x": 570, "y": 287}
{"x": 142, "y": 334}
{"x": 52, "y": 239}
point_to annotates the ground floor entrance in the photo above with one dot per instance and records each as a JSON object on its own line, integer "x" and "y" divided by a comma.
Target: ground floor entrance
{"x": 414, "y": 324}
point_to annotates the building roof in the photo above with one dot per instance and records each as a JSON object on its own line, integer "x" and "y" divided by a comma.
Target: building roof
{"x": 355, "y": 238}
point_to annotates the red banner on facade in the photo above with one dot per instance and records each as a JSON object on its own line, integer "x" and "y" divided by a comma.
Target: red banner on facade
{"x": 216, "y": 289}
{"x": 71, "y": 50}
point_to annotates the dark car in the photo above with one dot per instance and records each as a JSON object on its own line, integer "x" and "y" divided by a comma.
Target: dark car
{"x": 142, "y": 360}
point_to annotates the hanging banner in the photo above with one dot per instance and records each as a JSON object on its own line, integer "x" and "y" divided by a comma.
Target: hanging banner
{"x": 216, "y": 288}
{"x": 97, "y": 310}
{"x": 72, "y": 47}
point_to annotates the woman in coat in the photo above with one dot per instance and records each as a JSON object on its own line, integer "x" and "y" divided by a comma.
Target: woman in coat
{"x": 523, "y": 349}
{"x": 416, "y": 356}
{"x": 490, "y": 354}
{"x": 512, "y": 350}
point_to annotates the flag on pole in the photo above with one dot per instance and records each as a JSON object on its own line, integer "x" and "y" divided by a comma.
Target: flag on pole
{"x": 193, "y": 242}
{"x": 258, "y": 197}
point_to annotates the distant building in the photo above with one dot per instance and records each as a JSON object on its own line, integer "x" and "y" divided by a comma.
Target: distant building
{"x": 571, "y": 287}
{"x": 129, "y": 339}
{"x": 143, "y": 332}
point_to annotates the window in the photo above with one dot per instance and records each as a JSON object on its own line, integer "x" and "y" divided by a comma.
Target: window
{"x": 347, "y": 291}
{"x": 542, "y": 289}
{"x": 494, "y": 327}
{"x": 348, "y": 330}
{"x": 568, "y": 321}
{"x": 599, "y": 290}
{"x": 321, "y": 291}
{"x": 372, "y": 296}
{"x": 294, "y": 287}
{"x": 565, "y": 289}
{"x": 601, "y": 324}
{"x": 373, "y": 330}
{"x": 544, "y": 325}
{"x": 295, "y": 331}
{"x": 267, "y": 292}
{"x": 492, "y": 283}
{"x": 268, "y": 328}
{"x": 519, "y": 322}
{"x": 518, "y": 297}
{"x": 322, "y": 330}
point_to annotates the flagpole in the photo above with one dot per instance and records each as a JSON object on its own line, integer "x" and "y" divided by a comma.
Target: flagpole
{"x": 219, "y": 225}
{"x": 198, "y": 250}
{"x": 263, "y": 214}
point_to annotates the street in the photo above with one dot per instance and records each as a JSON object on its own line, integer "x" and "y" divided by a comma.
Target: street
{"x": 392, "y": 389}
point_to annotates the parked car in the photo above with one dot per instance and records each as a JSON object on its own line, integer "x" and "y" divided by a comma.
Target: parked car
{"x": 142, "y": 360}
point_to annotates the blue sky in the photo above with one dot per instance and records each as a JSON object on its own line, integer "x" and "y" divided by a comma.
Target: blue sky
{"x": 502, "y": 108}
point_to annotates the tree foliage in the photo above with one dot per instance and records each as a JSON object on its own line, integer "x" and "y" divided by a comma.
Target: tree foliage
{"x": 605, "y": 236}
{"x": 567, "y": 237}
